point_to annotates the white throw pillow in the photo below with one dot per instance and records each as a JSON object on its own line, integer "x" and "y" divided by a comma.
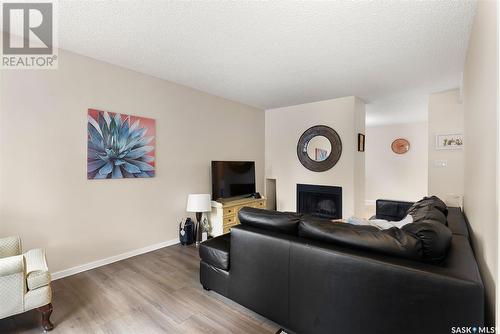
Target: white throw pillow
{"x": 380, "y": 223}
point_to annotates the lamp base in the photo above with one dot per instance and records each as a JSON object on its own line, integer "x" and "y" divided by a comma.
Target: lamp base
{"x": 198, "y": 231}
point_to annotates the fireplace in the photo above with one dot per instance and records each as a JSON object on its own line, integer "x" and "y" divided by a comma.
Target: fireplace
{"x": 320, "y": 201}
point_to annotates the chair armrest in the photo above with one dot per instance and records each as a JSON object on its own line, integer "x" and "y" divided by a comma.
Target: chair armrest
{"x": 10, "y": 246}
{"x": 11, "y": 265}
{"x": 35, "y": 260}
{"x": 37, "y": 271}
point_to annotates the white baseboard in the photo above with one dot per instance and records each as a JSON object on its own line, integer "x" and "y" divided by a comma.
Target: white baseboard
{"x": 91, "y": 265}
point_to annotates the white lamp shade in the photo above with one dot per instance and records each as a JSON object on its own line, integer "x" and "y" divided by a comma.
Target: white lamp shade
{"x": 198, "y": 203}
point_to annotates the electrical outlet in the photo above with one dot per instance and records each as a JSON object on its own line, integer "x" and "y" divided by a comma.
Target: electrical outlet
{"x": 441, "y": 163}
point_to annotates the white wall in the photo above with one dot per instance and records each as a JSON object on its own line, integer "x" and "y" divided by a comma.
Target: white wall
{"x": 359, "y": 158}
{"x": 446, "y": 116}
{"x": 480, "y": 95}
{"x": 46, "y": 197}
{"x": 396, "y": 176}
{"x": 284, "y": 126}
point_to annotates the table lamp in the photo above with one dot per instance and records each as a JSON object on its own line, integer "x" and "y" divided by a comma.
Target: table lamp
{"x": 198, "y": 203}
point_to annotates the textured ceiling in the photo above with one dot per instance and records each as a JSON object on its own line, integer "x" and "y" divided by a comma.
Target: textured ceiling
{"x": 273, "y": 54}
{"x": 404, "y": 108}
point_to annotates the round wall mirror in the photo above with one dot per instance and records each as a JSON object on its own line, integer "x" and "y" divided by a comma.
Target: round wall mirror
{"x": 319, "y": 148}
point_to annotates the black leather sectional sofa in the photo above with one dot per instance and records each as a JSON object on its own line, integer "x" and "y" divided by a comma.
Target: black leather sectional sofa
{"x": 310, "y": 275}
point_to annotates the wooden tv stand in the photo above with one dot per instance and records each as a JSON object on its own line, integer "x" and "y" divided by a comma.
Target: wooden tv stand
{"x": 224, "y": 213}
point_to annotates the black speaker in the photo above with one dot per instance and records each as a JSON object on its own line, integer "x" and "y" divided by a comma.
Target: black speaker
{"x": 186, "y": 232}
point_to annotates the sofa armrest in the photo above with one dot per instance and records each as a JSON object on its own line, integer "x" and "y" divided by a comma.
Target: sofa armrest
{"x": 391, "y": 210}
{"x": 10, "y": 246}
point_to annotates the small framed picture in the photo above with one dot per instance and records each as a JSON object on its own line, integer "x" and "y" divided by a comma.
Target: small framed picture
{"x": 320, "y": 154}
{"x": 449, "y": 141}
{"x": 361, "y": 142}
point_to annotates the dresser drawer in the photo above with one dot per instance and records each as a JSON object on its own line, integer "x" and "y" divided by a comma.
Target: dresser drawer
{"x": 226, "y": 229}
{"x": 230, "y": 211}
{"x": 229, "y": 221}
{"x": 260, "y": 204}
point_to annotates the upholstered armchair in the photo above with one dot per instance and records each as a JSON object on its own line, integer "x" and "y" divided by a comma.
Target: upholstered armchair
{"x": 24, "y": 281}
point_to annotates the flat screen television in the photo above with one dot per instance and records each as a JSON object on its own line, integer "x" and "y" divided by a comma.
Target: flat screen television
{"x": 232, "y": 178}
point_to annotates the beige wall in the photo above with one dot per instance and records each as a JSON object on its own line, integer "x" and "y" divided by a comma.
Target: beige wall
{"x": 396, "y": 176}
{"x": 284, "y": 126}
{"x": 446, "y": 116}
{"x": 46, "y": 196}
{"x": 481, "y": 138}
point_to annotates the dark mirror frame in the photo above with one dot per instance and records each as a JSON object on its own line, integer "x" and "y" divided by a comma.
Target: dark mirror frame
{"x": 335, "y": 142}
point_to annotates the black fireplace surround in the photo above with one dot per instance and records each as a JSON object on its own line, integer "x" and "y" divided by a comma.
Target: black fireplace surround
{"x": 320, "y": 201}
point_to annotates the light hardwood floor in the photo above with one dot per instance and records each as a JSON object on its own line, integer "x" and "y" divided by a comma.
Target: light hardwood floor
{"x": 157, "y": 292}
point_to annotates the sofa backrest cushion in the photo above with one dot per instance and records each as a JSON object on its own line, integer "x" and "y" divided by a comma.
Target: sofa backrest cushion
{"x": 429, "y": 208}
{"x": 392, "y": 210}
{"x": 434, "y": 236}
{"x": 392, "y": 241}
{"x": 285, "y": 222}
{"x": 425, "y": 241}
{"x": 457, "y": 222}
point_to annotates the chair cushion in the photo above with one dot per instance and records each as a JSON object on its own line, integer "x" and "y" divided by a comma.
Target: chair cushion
{"x": 285, "y": 222}
{"x": 215, "y": 251}
{"x": 10, "y": 246}
{"x": 37, "y": 272}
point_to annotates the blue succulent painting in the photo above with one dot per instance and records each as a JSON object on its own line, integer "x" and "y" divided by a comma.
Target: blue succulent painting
{"x": 119, "y": 146}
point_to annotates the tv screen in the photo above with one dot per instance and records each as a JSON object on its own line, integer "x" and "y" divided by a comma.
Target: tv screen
{"x": 232, "y": 178}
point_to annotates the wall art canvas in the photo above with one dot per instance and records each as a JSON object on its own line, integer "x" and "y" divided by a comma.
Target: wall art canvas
{"x": 449, "y": 142}
{"x": 119, "y": 146}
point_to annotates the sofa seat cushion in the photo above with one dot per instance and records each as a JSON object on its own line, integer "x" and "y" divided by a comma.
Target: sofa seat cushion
{"x": 285, "y": 222}
{"x": 427, "y": 241}
{"x": 215, "y": 251}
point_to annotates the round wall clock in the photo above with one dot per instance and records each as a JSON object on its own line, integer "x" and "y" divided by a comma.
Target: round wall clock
{"x": 400, "y": 146}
